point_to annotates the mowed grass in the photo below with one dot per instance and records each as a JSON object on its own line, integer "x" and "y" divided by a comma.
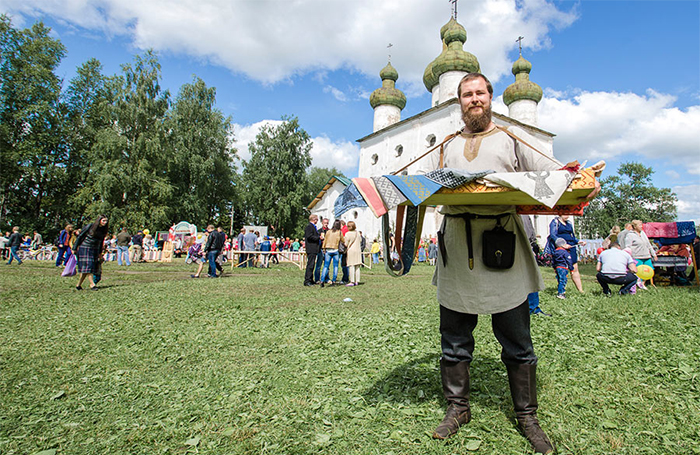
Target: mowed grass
{"x": 255, "y": 363}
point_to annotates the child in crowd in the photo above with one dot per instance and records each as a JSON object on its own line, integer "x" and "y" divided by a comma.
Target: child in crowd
{"x": 562, "y": 263}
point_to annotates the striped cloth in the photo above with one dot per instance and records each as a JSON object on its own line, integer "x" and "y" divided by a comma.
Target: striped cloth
{"x": 371, "y": 195}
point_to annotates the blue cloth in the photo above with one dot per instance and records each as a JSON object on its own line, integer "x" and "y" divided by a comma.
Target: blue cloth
{"x": 416, "y": 188}
{"x": 533, "y": 301}
{"x": 686, "y": 234}
{"x": 562, "y": 275}
{"x": 350, "y": 198}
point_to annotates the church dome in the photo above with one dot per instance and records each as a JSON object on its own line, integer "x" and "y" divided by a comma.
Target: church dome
{"x": 454, "y": 57}
{"x": 388, "y": 94}
{"x": 429, "y": 79}
{"x": 523, "y": 88}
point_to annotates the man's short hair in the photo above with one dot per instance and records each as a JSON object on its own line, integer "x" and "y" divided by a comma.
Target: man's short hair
{"x": 311, "y": 217}
{"x": 471, "y": 76}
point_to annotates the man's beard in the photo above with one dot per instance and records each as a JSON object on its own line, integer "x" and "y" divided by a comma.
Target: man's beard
{"x": 476, "y": 123}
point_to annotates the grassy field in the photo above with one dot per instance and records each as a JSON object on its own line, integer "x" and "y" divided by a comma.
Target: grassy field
{"x": 255, "y": 363}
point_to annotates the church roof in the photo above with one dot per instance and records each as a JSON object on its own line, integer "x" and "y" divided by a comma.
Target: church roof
{"x": 388, "y": 94}
{"x": 453, "y": 56}
{"x": 336, "y": 178}
{"x": 523, "y": 88}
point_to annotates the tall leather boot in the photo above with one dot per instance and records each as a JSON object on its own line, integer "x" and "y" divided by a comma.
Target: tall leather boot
{"x": 455, "y": 387}
{"x": 523, "y": 389}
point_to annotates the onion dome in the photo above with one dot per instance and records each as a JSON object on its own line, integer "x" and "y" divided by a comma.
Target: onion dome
{"x": 523, "y": 88}
{"x": 454, "y": 57}
{"x": 388, "y": 93}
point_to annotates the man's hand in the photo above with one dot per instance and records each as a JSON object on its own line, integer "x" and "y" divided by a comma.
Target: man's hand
{"x": 593, "y": 193}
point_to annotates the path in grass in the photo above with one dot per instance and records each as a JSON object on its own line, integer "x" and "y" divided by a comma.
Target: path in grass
{"x": 254, "y": 362}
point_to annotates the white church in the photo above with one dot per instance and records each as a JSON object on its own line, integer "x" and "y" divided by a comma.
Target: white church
{"x": 394, "y": 142}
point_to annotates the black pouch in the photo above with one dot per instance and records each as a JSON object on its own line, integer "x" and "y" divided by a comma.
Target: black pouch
{"x": 498, "y": 247}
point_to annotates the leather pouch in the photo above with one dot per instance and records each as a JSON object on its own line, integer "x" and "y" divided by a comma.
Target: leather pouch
{"x": 498, "y": 248}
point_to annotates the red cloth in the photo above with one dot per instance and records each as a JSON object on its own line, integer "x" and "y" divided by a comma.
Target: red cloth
{"x": 657, "y": 230}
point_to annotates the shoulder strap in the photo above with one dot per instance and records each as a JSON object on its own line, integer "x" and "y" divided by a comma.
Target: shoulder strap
{"x": 442, "y": 152}
{"x": 517, "y": 139}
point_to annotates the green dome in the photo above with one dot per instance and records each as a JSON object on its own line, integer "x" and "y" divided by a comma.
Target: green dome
{"x": 454, "y": 58}
{"x": 523, "y": 88}
{"x": 388, "y": 94}
{"x": 429, "y": 79}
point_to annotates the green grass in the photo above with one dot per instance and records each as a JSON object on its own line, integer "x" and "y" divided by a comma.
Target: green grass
{"x": 255, "y": 363}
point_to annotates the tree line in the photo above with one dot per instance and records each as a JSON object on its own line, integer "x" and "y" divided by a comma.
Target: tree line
{"x": 120, "y": 145}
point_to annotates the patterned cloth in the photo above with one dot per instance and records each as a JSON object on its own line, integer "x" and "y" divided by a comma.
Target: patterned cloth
{"x": 452, "y": 178}
{"x": 671, "y": 233}
{"x": 371, "y": 195}
{"x": 545, "y": 187}
{"x": 390, "y": 195}
{"x": 87, "y": 259}
{"x": 416, "y": 188}
{"x": 350, "y": 198}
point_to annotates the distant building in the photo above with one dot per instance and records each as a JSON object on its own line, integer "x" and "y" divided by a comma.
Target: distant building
{"x": 394, "y": 142}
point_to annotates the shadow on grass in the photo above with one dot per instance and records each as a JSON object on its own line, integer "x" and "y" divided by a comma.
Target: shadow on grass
{"x": 418, "y": 381}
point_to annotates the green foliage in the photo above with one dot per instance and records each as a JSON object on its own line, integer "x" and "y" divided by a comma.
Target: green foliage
{"x": 202, "y": 164}
{"x": 275, "y": 177}
{"x": 317, "y": 178}
{"x": 31, "y": 126}
{"x": 254, "y": 362}
{"x": 624, "y": 197}
{"x": 129, "y": 161}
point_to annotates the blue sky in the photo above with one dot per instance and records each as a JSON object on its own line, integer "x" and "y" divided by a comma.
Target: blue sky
{"x": 621, "y": 78}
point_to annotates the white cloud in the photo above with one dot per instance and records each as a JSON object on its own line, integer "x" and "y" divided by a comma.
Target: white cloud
{"x": 271, "y": 41}
{"x": 600, "y": 125}
{"x": 688, "y": 202}
{"x": 337, "y": 93}
{"x": 342, "y": 155}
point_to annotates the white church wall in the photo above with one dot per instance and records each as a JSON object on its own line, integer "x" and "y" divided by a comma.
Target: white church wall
{"x": 324, "y": 207}
{"x": 386, "y": 115}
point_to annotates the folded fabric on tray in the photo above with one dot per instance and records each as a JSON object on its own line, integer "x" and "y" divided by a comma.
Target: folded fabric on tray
{"x": 390, "y": 195}
{"x": 416, "y": 188}
{"x": 545, "y": 187}
{"x": 370, "y": 194}
{"x": 452, "y": 178}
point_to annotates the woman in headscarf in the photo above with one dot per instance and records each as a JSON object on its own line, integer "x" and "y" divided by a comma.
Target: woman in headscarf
{"x": 88, "y": 250}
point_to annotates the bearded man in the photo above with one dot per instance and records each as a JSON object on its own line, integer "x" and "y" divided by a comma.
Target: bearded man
{"x": 467, "y": 287}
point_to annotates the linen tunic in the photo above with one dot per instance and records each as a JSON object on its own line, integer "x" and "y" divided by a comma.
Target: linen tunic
{"x": 485, "y": 290}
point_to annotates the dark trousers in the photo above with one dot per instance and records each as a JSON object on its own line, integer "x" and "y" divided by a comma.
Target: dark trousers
{"x": 626, "y": 282}
{"x": 310, "y": 267}
{"x": 320, "y": 257}
{"x": 211, "y": 258}
{"x": 344, "y": 268}
{"x": 242, "y": 260}
{"x": 511, "y": 328}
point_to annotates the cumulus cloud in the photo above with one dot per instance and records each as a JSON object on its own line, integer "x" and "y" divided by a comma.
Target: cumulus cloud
{"x": 272, "y": 41}
{"x": 600, "y": 125}
{"x": 342, "y": 155}
{"x": 688, "y": 205}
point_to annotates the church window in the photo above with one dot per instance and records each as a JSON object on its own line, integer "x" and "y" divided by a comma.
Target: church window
{"x": 404, "y": 173}
{"x": 399, "y": 150}
{"x": 374, "y": 159}
{"x": 430, "y": 140}
{"x": 354, "y": 214}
